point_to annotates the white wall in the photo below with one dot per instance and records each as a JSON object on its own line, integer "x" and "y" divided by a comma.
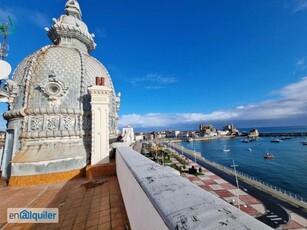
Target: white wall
{"x": 141, "y": 213}
{"x": 156, "y": 199}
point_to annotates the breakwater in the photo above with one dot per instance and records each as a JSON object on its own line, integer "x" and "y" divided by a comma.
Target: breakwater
{"x": 291, "y": 134}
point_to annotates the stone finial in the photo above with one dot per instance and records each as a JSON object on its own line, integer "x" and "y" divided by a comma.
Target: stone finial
{"x": 70, "y": 31}
{"x": 72, "y": 8}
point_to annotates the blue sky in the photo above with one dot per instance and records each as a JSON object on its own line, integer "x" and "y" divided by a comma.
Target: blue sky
{"x": 181, "y": 63}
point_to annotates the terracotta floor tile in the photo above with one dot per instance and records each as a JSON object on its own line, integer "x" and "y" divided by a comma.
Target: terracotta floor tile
{"x": 228, "y": 186}
{"x": 249, "y": 199}
{"x": 117, "y": 223}
{"x": 210, "y": 182}
{"x": 81, "y": 219}
{"x": 292, "y": 225}
{"x": 92, "y": 222}
{"x": 78, "y": 208}
{"x": 105, "y": 226}
{"x": 119, "y": 228}
{"x": 94, "y": 210}
{"x": 80, "y": 226}
{"x": 115, "y": 210}
{"x": 105, "y": 212}
{"x": 224, "y": 193}
{"x": 94, "y": 215}
{"x": 115, "y": 216}
{"x": 104, "y": 219}
{"x": 77, "y": 227}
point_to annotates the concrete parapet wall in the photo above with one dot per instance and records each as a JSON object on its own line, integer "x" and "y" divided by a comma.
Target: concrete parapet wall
{"x": 141, "y": 212}
{"x": 156, "y": 198}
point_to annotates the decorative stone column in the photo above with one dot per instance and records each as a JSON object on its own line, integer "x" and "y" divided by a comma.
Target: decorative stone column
{"x": 100, "y": 124}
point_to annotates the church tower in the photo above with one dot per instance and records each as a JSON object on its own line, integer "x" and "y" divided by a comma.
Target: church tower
{"x": 49, "y": 118}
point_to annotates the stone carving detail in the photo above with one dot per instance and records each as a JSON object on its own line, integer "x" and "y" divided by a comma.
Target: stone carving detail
{"x": 54, "y": 89}
{"x": 118, "y": 102}
{"x": 36, "y": 123}
{"x": 12, "y": 89}
{"x": 79, "y": 122}
{"x": 68, "y": 123}
{"x": 51, "y": 124}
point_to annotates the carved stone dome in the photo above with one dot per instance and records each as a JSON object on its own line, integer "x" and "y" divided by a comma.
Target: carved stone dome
{"x": 49, "y": 102}
{"x": 57, "y": 77}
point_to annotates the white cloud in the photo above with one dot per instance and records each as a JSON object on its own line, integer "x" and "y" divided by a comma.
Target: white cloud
{"x": 100, "y": 32}
{"x": 300, "y": 65}
{"x": 19, "y": 15}
{"x": 298, "y": 5}
{"x": 291, "y": 104}
{"x": 153, "y": 81}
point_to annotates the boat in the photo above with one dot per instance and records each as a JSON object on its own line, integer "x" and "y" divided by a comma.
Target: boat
{"x": 304, "y": 142}
{"x": 226, "y": 149}
{"x": 286, "y": 138}
{"x": 249, "y": 139}
{"x": 249, "y": 149}
{"x": 268, "y": 156}
{"x": 190, "y": 139}
{"x": 275, "y": 140}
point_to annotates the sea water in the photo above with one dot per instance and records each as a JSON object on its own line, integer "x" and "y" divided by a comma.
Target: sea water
{"x": 287, "y": 170}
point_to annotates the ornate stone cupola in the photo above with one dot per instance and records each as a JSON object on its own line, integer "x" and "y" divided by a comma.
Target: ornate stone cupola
{"x": 49, "y": 121}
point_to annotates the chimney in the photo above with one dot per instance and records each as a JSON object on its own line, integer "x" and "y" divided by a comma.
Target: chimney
{"x": 99, "y": 80}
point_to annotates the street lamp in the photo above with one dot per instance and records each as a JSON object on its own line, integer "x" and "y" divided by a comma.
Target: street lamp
{"x": 234, "y": 168}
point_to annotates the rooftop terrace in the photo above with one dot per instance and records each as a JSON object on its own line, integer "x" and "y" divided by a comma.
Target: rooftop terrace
{"x": 143, "y": 195}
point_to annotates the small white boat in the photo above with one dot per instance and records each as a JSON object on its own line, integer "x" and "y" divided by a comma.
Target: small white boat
{"x": 304, "y": 142}
{"x": 249, "y": 149}
{"x": 226, "y": 149}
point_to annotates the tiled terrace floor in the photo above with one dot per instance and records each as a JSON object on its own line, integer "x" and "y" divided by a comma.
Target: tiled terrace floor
{"x": 82, "y": 205}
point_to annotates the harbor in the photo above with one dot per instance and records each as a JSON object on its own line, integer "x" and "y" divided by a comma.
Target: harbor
{"x": 268, "y": 194}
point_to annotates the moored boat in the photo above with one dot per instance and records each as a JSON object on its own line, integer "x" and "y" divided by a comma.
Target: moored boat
{"x": 190, "y": 139}
{"x": 275, "y": 140}
{"x": 226, "y": 149}
{"x": 304, "y": 142}
{"x": 268, "y": 156}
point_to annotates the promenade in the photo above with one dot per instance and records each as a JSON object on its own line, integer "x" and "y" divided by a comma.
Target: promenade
{"x": 231, "y": 194}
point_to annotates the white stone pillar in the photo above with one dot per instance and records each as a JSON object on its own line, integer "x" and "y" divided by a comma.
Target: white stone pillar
{"x": 100, "y": 124}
